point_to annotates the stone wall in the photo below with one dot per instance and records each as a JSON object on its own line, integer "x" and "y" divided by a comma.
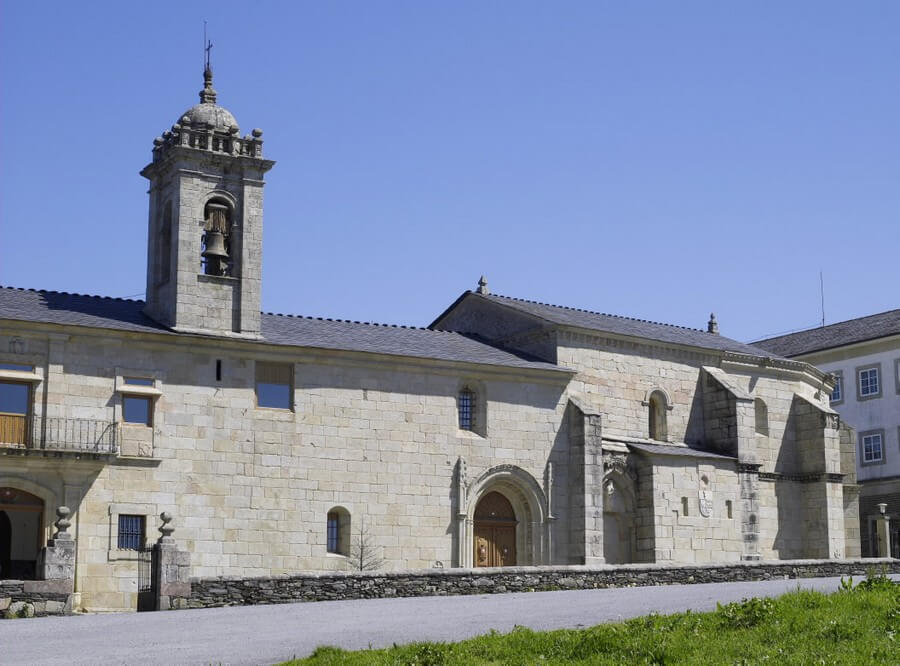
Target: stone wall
{"x": 30, "y": 598}
{"x": 226, "y": 591}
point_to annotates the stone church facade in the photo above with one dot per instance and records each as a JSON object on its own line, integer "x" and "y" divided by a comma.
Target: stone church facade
{"x": 507, "y": 432}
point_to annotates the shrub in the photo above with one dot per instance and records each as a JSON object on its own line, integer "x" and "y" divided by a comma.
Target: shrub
{"x": 746, "y": 613}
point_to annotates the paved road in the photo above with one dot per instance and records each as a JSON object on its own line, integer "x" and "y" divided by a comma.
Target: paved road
{"x": 268, "y": 634}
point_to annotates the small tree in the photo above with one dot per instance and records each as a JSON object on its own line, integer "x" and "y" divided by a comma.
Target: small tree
{"x": 364, "y": 554}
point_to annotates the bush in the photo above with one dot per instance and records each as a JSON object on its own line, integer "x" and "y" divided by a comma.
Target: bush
{"x": 746, "y": 613}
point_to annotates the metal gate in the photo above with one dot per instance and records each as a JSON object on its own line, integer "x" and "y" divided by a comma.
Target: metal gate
{"x": 146, "y": 583}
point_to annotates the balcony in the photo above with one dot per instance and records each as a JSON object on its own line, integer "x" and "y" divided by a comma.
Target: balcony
{"x": 50, "y": 433}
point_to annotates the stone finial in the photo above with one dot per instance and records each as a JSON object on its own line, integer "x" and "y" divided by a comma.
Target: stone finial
{"x": 208, "y": 94}
{"x": 166, "y": 529}
{"x": 482, "y": 286}
{"x": 712, "y": 325}
{"x": 62, "y": 524}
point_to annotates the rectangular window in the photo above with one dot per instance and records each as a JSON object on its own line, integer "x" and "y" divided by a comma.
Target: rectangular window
{"x": 466, "y": 410}
{"x": 15, "y": 400}
{"x": 274, "y": 385}
{"x": 869, "y": 386}
{"x": 872, "y": 448}
{"x": 137, "y": 409}
{"x": 131, "y": 532}
{"x": 838, "y": 393}
{"x": 138, "y": 381}
{"x": 18, "y": 367}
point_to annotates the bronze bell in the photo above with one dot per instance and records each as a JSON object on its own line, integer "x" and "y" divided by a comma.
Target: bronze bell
{"x": 215, "y": 245}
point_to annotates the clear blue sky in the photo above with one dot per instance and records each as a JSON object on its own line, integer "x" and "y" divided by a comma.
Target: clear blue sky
{"x": 652, "y": 159}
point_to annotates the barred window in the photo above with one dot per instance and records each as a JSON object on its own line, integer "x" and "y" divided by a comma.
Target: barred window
{"x": 131, "y": 532}
{"x": 466, "y": 409}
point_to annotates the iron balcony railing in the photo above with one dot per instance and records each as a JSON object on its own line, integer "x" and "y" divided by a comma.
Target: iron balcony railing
{"x": 52, "y": 433}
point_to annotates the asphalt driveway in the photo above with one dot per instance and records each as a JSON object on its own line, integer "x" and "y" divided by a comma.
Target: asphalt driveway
{"x": 268, "y": 634}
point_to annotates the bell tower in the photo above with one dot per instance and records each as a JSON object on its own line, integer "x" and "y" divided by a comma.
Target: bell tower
{"x": 204, "y": 251}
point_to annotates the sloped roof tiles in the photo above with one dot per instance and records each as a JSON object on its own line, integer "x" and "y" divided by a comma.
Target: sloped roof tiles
{"x": 639, "y": 328}
{"x": 127, "y": 315}
{"x": 834, "y": 335}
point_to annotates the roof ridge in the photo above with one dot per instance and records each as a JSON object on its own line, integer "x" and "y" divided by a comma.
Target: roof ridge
{"x": 360, "y": 323}
{"x": 602, "y": 314}
{"x": 72, "y": 293}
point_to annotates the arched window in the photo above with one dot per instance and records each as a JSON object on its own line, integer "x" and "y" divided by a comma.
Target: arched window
{"x": 337, "y": 531}
{"x": 216, "y": 243}
{"x": 658, "y": 405}
{"x": 466, "y": 408}
{"x": 762, "y": 416}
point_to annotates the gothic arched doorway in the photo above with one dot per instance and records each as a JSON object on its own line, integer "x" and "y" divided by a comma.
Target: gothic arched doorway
{"x": 494, "y": 532}
{"x": 21, "y": 518}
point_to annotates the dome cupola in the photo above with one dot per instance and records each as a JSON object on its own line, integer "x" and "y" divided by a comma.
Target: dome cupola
{"x": 207, "y": 114}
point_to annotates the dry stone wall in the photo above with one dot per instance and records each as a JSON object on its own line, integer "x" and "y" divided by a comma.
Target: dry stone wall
{"x": 224, "y": 591}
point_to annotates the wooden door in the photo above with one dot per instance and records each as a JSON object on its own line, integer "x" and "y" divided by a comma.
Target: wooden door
{"x": 494, "y": 532}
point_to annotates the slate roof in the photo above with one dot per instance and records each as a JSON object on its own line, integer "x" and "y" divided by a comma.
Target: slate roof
{"x": 126, "y": 315}
{"x": 607, "y": 323}
{"x": 834, "y": 335}
{"x": 662, "y": 449}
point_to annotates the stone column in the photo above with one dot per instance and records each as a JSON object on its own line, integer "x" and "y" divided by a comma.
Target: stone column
{"x": 57, "y": 560}
{"x": 171, "y": 569}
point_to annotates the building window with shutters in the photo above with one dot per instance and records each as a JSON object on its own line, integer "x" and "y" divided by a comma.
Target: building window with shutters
{"x": 274, "y": 385}
{"x": 15, "y": 405}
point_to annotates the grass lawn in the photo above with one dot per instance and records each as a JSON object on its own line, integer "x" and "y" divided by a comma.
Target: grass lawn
{"x": 859, "y": 625}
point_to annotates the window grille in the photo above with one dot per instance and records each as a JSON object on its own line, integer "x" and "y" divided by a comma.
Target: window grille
{"x": 131, "y": 532}
{"x": 466, "y": 410}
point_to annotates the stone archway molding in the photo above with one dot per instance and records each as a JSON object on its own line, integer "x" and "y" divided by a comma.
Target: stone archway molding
{"x": 529, "y": 503}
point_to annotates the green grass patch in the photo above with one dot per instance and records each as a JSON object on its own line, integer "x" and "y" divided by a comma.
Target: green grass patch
{"x": 857, "y": 625}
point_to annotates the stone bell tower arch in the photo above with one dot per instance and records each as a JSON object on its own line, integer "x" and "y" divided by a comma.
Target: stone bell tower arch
{"x": 204, "y": 254}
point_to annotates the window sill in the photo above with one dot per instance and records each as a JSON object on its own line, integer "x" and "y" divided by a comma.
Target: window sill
{"x": 20, "y": 376}
{"x": 133, "y": 389}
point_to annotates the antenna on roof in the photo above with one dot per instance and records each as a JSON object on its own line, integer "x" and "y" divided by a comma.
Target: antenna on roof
{"x": 822, "y": 293}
